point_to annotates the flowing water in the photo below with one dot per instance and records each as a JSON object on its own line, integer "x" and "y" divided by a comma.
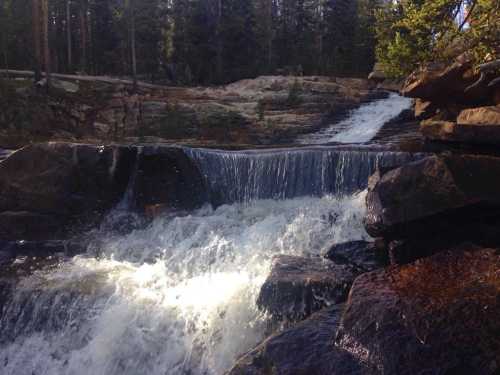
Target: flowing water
{"x": 363, "y": 123}
{"x": 175, "y": 298}
{"x": 178, "y": 296}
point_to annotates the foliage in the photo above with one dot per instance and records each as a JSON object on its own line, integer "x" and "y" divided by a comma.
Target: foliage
{"x": 189, "y": 42}
{"x": 412, "y": 32}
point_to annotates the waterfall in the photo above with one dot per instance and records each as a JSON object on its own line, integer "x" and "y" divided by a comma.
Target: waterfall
{"x": 178, "y": 296}
{"x": 362, "y": 124}
{"x": 244, "y": 176}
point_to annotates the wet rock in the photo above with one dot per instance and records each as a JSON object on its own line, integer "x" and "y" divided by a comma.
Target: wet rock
{"x": 41, "y": 249}
{"x": 362, "y": 255}
{"x": 167, "y": 178}
{"x": 436, "y": 193}
{"x": 307, "y": 348}
{"x": 46, "y": 188}
{"x": 19, "y": 225}
{"x": 299, "y": 286}
{"x": 436, "y": 316}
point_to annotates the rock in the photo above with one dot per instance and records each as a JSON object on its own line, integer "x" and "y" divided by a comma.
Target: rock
{"x": 433, "y": 194}
{"x": 22, "y": 225}
{"x": 299, "y": 286}
{"x": 496, "y": 95}
{"x": 424, "y": 109}
{"x": 439, "y": 130}
{"x": 40, "y": 249}
{"x": 483, "y": 116}
{"x": 67, "y": 86}
{"x": 167, "y": 178}
{"x": 436, "y": 316}
{"x": 442, "y": 83}
{"x": 476, "y": 125}
{"x": 361, "y": 255}
{"x": 377, "y": 74}
{"x": 306, "y": 348}
{"x": 47, "y": 188}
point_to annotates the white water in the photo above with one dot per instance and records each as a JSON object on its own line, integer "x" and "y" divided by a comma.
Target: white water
{"x": 175, "y": 298}
{"x": 362, "y": 124}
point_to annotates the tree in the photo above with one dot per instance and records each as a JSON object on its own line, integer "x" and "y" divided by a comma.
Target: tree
{"x": 36, "y": 21}
{"x": 416, "y": 31}
{"x": 45, "y": 40}
{"x": 129, "y": 6}
{"x": 68, "y": 35}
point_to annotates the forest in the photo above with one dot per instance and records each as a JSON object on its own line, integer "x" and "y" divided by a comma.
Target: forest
{"x": 191, "y": 42}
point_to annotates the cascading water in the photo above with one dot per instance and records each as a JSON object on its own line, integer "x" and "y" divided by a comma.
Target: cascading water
{"x": 363, "y": 123}
{"x": 175, "y": 298}
{"x": 178, "y": 297}
{"x": 288, "y": 173}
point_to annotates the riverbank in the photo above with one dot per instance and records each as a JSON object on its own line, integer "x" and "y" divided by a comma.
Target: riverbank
{"x": 268, "y": 110}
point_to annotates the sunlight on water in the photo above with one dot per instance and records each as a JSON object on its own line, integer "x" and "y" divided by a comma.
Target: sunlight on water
{"x": 175, "y": 298}
{"x": 362, "y": 124}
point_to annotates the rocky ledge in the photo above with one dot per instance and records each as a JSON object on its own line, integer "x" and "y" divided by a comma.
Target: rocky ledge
{"x": 261, "y": 111}
{"x": 457, "y": 103}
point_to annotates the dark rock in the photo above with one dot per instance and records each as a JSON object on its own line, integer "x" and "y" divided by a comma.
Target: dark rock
{"x": 166, "y": 177}
{"x": 48, "y": 191}
{"x": 362, "y": 255}
{"x": 299, "y": 286}
{"x": 307, "y": 348}
{"x": 40, "y": 249}
{"x": 439, "y": 191}
{"x": 72, "y": 183}
{"x": 22, "y": 225}
{"x": 436, "y": 316}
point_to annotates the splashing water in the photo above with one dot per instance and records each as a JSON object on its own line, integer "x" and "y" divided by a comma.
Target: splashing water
{"x": 175, "y": 298}
{"x": 362, "y": 124}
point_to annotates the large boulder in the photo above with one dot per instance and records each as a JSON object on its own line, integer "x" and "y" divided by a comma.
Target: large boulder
{"x": 436, "y": 316}
{"x": 362, "y": 255}
{"x": 299, "y": 286}
{"x": 441, "y": 82}
{"x": 48, "y": 191}
{"x": 306, "y": 348}
{"x": 419, "y": 195}
{"x": 46, "y": 188}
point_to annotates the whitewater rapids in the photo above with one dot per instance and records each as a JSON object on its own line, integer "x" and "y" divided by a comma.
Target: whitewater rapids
{"x": 175, "y": 298}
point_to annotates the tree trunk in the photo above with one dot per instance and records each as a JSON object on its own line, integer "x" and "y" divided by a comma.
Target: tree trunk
{"x": 5, "y": 36}
{"x": 46, "y": 49}
{"x": 218, "y": 33}
{"x": 68, "y": 35}
{"x": 131, "y": 14}
{"x": 35, "y": 19}
{"x": 83, "y": 34}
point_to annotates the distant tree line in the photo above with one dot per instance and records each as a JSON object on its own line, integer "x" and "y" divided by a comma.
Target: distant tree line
{"x": 189, "y": 41}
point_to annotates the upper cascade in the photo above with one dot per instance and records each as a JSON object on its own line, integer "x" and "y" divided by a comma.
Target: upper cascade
{"x": 363, "y": 123}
